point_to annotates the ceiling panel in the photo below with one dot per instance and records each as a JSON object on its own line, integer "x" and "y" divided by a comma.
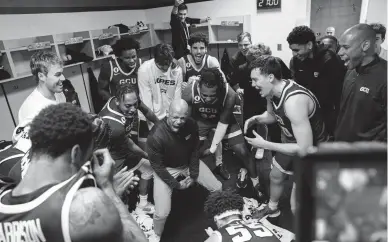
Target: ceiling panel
{"x": 56, "y": 6}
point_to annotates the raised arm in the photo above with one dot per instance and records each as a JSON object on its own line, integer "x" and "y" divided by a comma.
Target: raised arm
{"x": 179, "y": 80}
{"x": 103, "y": 81}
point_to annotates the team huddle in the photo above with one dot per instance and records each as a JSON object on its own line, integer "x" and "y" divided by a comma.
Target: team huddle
{"x": 68, "y": 175}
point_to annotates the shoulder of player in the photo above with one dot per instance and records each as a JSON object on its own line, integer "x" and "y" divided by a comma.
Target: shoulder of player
{"x": 144, "y": 67}
{"x": 94, "y": 217}
{"x": 295, "y": 104}
{"x": 213, "y": 61}
{"x": 231, "y": 95}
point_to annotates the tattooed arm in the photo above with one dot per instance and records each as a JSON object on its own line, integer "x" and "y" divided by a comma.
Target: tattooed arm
{"x": 98, "y": 216}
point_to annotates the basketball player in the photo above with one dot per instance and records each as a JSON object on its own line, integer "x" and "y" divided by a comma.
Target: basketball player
{"x": 211, "y": 101}
{"x": 120, "y": 69}
{"x": 297, "y": 112}
{"x": 57, "y": 200}
{"x": 198, "y": 59}
{"x": 192, "y": 65}
{"x": 160, "y": 81}
{"x": 46, "y": 68}
{"x": 119, "y": 113}
{"x": 225, "y": 208}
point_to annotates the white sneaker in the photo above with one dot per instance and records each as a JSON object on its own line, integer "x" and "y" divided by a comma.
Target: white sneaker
{"x": 259, "y": 153}
{"x": 153, "y": 237}
{"x": 149, "y": 208}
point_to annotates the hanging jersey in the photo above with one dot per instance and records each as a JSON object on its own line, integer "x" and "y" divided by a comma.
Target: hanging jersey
{"x": 42, "y": 215}
{"x": 191, "y": 67}
{"x": 317, "y": 125}
{"x": 111, "y": 112}
{"x": 119, "y": 77}
{"x": 238, "y": 230}
{"x": 209, "y": 112}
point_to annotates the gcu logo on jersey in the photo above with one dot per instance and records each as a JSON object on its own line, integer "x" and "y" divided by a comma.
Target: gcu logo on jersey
{"x": 165, "y": 82}
{"x": 279, "y": 119}
{"x": 208, "y": 110}
{"x": 116, "y": 70}
{"x": 364, "y": 89}
{"x": 128, "y": 81}
{"x": 197, "y": 98}
{"x": 188, "y": 65}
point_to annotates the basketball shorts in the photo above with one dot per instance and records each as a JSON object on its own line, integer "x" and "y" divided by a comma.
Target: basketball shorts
{"x": 233, "y": 135}
{"x": 130, "y": 161}
{"x": 285, "y": 163}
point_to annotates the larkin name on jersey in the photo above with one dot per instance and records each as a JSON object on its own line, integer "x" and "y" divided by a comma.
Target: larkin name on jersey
{"x": 27, "y": 230}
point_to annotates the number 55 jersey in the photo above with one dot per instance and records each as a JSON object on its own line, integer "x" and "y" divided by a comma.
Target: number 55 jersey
{"x": 241, "y": 231}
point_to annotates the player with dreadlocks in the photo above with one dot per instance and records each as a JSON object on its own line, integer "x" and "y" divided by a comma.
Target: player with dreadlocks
{"x": 119, "y": 113}
{"x": 225, "y": 208}
{"x": 212, "y": 101}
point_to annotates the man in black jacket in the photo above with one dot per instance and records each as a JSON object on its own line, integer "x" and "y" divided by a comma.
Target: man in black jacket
{"x": 180, "y": 28}
{"x": 319, "y": 70}
{"x": 363, "y": 110}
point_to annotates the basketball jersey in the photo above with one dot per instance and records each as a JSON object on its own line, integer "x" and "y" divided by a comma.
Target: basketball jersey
{"x": 42, "y": 215}
{"x": 209, "y": 112}
{"x": 191, "y": 69}
{"x": 317, "y": 125}
{"x": 119, "y": 77}
{"x": 238, "y": 230}
{"x": 110, "y": 112}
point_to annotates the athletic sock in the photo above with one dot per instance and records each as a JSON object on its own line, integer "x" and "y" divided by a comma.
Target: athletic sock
{"x": 255, "y": 181}
{"x": 218, "y": 154}
{"x": 273, "y": 205}
{"x": 143, "y": 200}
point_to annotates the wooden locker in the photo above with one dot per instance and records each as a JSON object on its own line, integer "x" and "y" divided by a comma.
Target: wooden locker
{"x": 17, "y": 91}
{"x": 7, "y": 125}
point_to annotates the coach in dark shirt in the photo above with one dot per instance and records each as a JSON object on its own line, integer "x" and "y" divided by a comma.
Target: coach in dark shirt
{"x": 180, "y": 28}
{"x": 318, "y": 69}
{"x": 363, "y": 109}
{"x": 172, "y": 146}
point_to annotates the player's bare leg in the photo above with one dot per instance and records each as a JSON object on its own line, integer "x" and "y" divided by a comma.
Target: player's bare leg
{"x": 276, "y": 190}
{"x": 242, "y": 152}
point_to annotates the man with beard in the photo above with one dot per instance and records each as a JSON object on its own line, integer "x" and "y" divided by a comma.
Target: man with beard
{"x": 192, "y": 65}
{"x": 317, "y": 69}
{"x": 211, "y": 101}
{"x": 120, "y": 69}
{"x": 363, "y": 109}
{"x": 180, "y": 31}
{"x": 297, "y": 112}
{"x": 119, "y": 113}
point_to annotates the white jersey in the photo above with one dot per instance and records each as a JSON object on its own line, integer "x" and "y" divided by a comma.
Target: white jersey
{"x": 158, "y": 89}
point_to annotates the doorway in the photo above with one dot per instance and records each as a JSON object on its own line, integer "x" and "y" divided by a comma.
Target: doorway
{"x": 340, "y": 14}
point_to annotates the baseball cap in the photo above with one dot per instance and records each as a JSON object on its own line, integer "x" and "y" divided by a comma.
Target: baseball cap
{"x": 21, "y": 138}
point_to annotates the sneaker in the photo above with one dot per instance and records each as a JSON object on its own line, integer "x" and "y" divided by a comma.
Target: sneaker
{"x": 242, "y": 178}
{"x": 149, "y": 208}
{"x": 222, "y": 171}
{"x": 260, "y": 194}
{"x": 266, "y": 211}
{"x": 153, "y": 237}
